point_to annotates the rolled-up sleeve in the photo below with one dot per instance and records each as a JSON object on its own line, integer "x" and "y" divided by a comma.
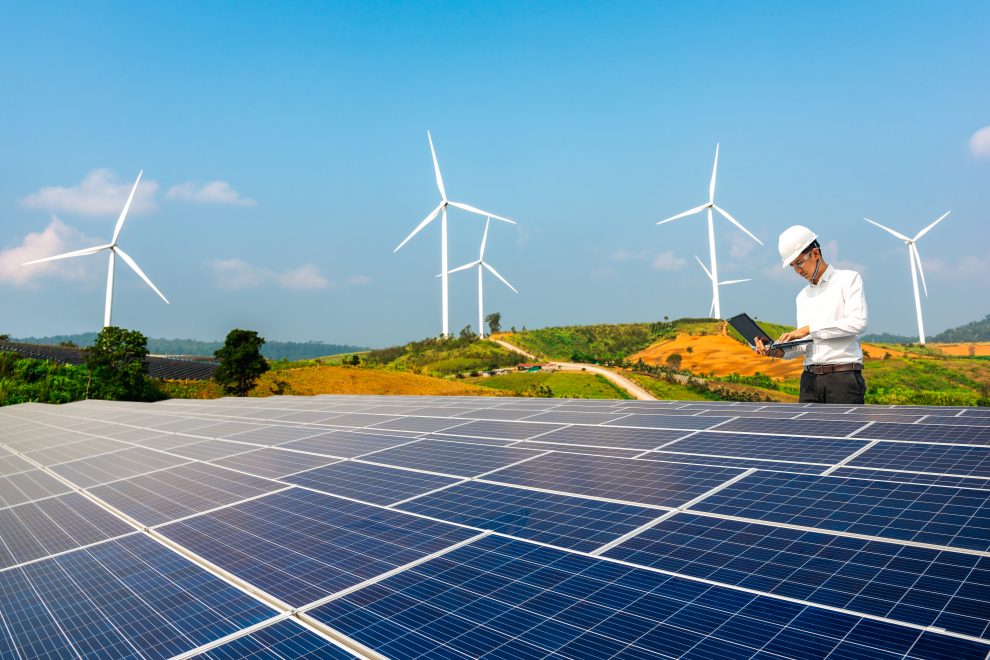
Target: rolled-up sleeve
{"x": 853, "y": 321}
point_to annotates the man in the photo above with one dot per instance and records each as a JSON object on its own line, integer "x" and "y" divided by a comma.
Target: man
{"x": 831, "y": 310}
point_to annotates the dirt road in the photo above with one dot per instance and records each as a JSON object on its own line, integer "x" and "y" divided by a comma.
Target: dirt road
{"x": 619, "y": 380}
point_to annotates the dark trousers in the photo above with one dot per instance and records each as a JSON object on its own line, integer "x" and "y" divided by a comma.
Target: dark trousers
{"x": 836, "y": 387}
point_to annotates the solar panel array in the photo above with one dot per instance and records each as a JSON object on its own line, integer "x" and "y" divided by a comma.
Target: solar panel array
{"x": 435, "y": 527}
{"x": 158, "y": 367}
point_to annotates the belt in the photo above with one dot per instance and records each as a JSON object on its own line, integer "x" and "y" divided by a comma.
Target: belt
{"x": 820, "y": 369}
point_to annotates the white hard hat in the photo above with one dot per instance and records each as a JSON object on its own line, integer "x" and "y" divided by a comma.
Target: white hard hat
{"x": 793, "y": 241}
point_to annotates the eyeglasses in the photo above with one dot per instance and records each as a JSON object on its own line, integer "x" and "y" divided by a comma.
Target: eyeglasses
{"x": 799, "y": 263}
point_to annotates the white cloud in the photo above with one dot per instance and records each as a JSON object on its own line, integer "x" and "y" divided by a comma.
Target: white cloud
{"x": 56, "y": 238}
{"x": 979, "y": 143}
{"x": 100, "y": 193}
{"x": 358, "y": 280}
{"x": 212, "y": 192}
{"x": 740, "y": 245}
{"x": 237, "y": 275}
{"x": 667, "y": 261}
{"x": 306, "y": 276}
{"x": 627, "y": 255}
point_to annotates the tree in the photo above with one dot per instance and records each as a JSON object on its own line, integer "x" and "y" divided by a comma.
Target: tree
{"x": 494, "y": 321}
{"x": 674, "y": 360}
{"x": 117, "y": 367}
{"x": 467, "y": 332}
{"x": 241, "y": 362}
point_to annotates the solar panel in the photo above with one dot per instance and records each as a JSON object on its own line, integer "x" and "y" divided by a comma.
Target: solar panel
{"x": 771, "y": 447}
{"x": 283, "y": 639}
{"x": 56, "y": 524}
{"x": 938, "y": 515}
{"x": 124, "y": 598}
{"x": 300, "y": 546}
{"x": 641, "y": 482}
{"x": 465, "y": 527}
{"x": 926, "y": 587}
{"x": 941, "y": 459}
{"x": 571, "y": 522}
{"x": 369, "y": 483}
{"x": 513, "y": 599}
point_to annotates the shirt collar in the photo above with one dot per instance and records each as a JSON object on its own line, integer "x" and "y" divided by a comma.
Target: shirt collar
{"x": 826, "y": 276}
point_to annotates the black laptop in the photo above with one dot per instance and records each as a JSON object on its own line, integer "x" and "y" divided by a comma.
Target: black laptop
{"x": 748, "y": 328}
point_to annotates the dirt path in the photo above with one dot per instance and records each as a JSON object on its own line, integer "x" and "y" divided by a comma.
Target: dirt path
{"x": 629, "y": 386}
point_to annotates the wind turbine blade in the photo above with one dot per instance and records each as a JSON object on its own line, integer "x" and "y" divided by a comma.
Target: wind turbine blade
{"x": 913, "y": 249}
{"x": 889, "y": 230}
{"x": 929, "y": 227}
{"x": 130, "y": 262}
{"x": 703, "y": 267}
{"x": 76, "y": 253}
{"x": 484, "y": 239}
{"x": 732, "y": 282}
{"x": 711, "y": 186}
{"x": 123, "y": 214}
{"x": 433, "y": 214}
{"x": 436, "y": 168}
{"x": 464, "y": 267}
{"x": 495, "y": 273}
{"x": 685, "y": 214}
{"x": 473, "y": 209}
{"x": 728, "y": 217}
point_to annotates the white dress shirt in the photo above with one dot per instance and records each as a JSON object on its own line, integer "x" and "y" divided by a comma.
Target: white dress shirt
{"x": 835, "y": 311}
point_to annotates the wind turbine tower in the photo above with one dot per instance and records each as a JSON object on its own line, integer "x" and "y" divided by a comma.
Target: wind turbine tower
{"x": 711, "y": 205}
{"x": 915, "y": 258}
{"x": 442, "y": 211}
{"x": 115, "y": 251}
{"x": 482, "y": 265}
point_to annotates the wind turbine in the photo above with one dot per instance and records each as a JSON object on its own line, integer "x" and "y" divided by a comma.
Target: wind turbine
{"x": 711, "y": 310}
{"x": 713, "y": 273}
{"x": 481, "y": 263}
{"x": 442, "y": 211}
{"x": 114, "y": 252}
{"x": 915, "y": 258}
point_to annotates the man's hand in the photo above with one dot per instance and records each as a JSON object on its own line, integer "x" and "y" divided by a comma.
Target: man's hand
{"x": 764, "y": 349}
{"x": 794, "y": 335}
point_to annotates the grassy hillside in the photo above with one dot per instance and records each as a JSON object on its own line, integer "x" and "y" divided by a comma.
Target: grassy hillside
{"x": 443, "y": 357}
{"x": 559, "y": 384}
{"x": 604, "y": 342}
{"x": 969, "y": 332}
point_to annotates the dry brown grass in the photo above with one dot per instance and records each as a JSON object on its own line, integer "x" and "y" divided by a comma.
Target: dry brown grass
{"x": 962, "y": 349}
{"x": 308, "y": 381}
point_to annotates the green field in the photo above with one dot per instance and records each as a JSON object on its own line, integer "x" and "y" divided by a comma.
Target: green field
{"x": 661, "y": 389}
{"x": 563, "y": 385}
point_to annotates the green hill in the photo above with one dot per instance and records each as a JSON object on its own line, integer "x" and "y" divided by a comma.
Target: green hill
{"x": 443, "y": 357}
{"x": 973, "y": 331}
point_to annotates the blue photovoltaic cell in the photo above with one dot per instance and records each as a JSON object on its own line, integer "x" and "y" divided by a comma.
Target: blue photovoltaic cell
{"x": 689, "y": 422}
{"x": 569, "y": 417}
{"x": 118, "y": 465}
{"x": 11, "y": 464}
{"x": 56, "y": 524}
{"x": 420, "y": 424}
{"x": 961, "y": 435}
{"x": 912, "y": 478}
{"x": 502, "y": 598}
{"x": 744, "y": 463}
{"x": 300, "y": 546}
{"x": 605, "y": 436}
{"x": 927, "y": 587}
{"x": 181, "y": 491}
{"x": 504, "y": 430}
{"x": 953, "y": 517}
{"x": 456, "y": 458}
{"x": 30, "y": 485}
{"x": 570, "y": 522}
{"x": 371, "y": 483}
{"x": 285, "y": 639}
{"x": 273, "y": 463}
{"x": 939, "y": 459}
{"x": 638, "y": 481}
{"x": 127, "y": 597}
{"x": 347, "y": 444}
{"x": 833, "y": 429}
{"x": 773, "y": 447}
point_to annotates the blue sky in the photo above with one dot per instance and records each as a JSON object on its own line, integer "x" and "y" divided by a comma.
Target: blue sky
{"x": 284, "y": 153}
